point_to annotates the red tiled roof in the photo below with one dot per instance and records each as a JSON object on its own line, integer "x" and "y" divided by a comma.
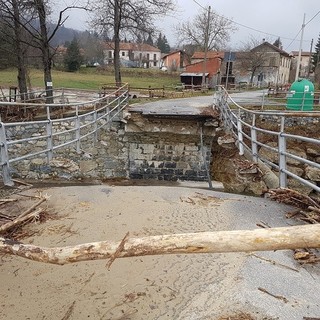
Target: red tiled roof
{"x": 210, "y": 55}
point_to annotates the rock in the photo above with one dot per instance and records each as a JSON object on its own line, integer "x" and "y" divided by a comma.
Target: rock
{"x": 312, "y": 173}
{"x": 87, "y": 166}
{"x": 266, "y": 153}
{"x": 256, "y": 188}
{"x": 296, "y": 170}
{"x": 237, "y": 174}
{"x": 63, "y": 163}
{"x": 313, "y": 152}
{"x": 297, "y": 152}
{"x": 296, "y": 185}
{"x": 226, "y": 140}
{"x": 37, "y": 161}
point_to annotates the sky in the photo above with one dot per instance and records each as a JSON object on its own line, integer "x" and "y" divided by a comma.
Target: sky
{"x": 258, "y": 19}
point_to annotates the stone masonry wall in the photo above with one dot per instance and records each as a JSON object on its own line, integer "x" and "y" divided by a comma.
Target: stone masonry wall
{"x": 168, "y": 156}
{"x": 163, "y": 149}
{"x": 105, "y": 158}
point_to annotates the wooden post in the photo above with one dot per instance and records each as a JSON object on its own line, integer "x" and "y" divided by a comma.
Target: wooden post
{"x": 306, "y": 236}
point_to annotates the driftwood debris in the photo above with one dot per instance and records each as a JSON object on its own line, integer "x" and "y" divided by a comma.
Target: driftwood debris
{"x": 203, "y": 242}
{"x": 284, "y": 299}
{"x": 20, "y": 220}
{"x": 293, "y": 198}
{"x": 310, "y": 207}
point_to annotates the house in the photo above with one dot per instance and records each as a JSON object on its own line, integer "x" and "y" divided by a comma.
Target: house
{"x": 174, "y": 61}
{"x": 194, "y": 71}
{"x": 305, "y": 64}
{"x": 264, "y": 65}
{"x": 198, "y": 56}
{"x": 134, "y": 54}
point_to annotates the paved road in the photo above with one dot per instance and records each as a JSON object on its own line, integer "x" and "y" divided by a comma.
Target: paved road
{"x": 193, "y": 103}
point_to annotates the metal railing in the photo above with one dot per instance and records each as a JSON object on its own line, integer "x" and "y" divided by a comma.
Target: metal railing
{"x": 55, "y": 131}
{"x": 246, "y": 126}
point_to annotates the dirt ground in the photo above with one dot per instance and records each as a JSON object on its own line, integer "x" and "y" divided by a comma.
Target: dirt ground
{"x": 155, "y": 287}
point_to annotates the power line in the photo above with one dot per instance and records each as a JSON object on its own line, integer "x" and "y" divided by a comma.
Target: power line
{"x": 256, "y": 30}
{"x": 312, "y": 18}
{"x": 200, "y": 5}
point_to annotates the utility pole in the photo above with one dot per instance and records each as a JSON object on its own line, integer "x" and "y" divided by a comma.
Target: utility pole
{"x": 309, "y": 63}
{"x": 300, "y": 48}
{"x": 206, "y": 40}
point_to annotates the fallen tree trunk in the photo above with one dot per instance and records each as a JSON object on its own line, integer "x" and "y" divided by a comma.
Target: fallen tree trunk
{"x": 307, "y": 236}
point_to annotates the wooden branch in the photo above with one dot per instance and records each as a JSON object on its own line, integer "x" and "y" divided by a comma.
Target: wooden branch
{"x": 284, "y": 299}
{"x": 22, "y": 182}
{"x": 317, "y": 210}
{"x": 26, "y": 212}
{"x": 19, "y": 220}
{"x": 117, "y": 252}
{"x": 203, "y": 242}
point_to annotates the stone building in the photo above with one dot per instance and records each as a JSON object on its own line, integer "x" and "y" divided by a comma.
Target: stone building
{"x": 305, "y": 65}
{"x": 264, "y": 65}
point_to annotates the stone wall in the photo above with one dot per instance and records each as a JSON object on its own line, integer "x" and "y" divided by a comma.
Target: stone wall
{"x": 162, "y": 149}
{"x": 105, "y": 158}
{"x": 168, "y": 148}
{"x": 168, "y": 157}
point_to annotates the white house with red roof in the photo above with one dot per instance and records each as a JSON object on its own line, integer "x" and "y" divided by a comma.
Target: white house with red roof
{"x": 134, "y": 54}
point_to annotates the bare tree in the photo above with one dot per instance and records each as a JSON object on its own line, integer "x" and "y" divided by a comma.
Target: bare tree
{"x": 208, "y": 30}
{"x": 29, "y": 19}
{"x": 119, "y": 18}
{"x": 253, "y": 60}
{"x": 13, "y": 34}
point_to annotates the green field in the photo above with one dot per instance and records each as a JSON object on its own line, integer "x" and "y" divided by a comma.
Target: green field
{"x": 93, "y": 78}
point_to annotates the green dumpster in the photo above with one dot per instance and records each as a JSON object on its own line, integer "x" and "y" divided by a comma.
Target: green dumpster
{"x": 300, "y": 95}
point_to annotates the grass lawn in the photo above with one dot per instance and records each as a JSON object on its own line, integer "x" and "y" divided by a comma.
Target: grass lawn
{"x": 92, "y": 78}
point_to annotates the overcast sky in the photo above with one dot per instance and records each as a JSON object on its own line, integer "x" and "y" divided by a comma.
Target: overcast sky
{"x": 274, "y": 18}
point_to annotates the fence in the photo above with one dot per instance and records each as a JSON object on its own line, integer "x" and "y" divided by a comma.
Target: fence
{"x": 54, "y": 130}
{"x": 168, "y": 92}
{"x": 251, "y": 135}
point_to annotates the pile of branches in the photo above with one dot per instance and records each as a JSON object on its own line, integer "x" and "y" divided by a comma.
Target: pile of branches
{"x": 308, "y": 211}
{"x": 11, "y": 222}
{"x": 309, "y": 208}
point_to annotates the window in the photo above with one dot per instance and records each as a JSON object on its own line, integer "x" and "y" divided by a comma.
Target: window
{"x": 148, "y": 56}
{"x": 154, "y": 57}
{"x": 123, "y": 53}
{"x": 110, "y": 54}
{"x": 154, "y": 63}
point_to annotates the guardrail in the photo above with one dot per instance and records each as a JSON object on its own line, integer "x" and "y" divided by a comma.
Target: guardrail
{"x": 55, "y": 132}
{"x": 243, "y": 124}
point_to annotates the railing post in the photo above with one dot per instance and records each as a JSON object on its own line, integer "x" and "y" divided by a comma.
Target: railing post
{"x": 49, "y": 136}
{"x": 240, "y": 135}
{"x": 95, "y": 125}
{"x": 254, "y": 146}
{"x": 77, "y": 126}
{"x": 4, "y": 157}
{"x": 282, "y": 157}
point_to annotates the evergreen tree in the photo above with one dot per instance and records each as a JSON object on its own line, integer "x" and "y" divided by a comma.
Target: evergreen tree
{"x": 73, "y": 58}
{"x": 278, "y": 43}
{"x": 316, "y": 54}
{"x": 149, "y": 40}
{"x": 162, "y": 44}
